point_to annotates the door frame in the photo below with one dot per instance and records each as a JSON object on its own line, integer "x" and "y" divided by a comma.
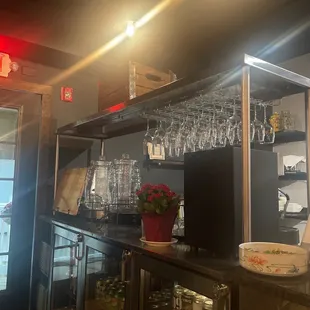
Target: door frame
{"x": 45, "y": 143}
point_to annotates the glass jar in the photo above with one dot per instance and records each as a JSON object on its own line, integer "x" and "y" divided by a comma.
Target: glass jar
{"x": 187, "y": 300}
{"x": 125, "y": 173}
{"x": 198, "y": 302}
{"x": 208, "y": 304}
{"x": 98, "y": 187}
{"x": 103, "y": 180}
{"x": 286, "y": 120}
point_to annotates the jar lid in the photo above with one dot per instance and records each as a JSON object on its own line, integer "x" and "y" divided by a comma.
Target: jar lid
{"x": 199, "y": 298}
{"x": 189, "y": 293}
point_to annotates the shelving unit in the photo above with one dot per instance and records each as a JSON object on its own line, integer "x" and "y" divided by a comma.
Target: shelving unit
{"x": 265, "y": 81}
{"x": 298, "y": 176}
{"x": 258, "y": 79}
{"x": 288, "y": 136}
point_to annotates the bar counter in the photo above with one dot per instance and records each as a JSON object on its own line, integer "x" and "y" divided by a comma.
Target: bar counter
{"x": 295, "y": 290}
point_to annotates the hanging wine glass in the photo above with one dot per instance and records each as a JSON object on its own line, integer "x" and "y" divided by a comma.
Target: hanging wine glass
{"x": 214, "y": 133}
{"x": 259, "y": 134}
{"x": 252, "y": 132}
{"x": 232, "y": 126}
{"x": 192, "y": 140}
{"x": 222, "y": 129}
{"x": 269, "y": 130}
{"x": 158, "y": 139}
{"x": 148, "y": 138}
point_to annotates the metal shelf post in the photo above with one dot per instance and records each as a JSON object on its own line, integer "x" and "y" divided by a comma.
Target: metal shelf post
{"x": 246, "y": 154}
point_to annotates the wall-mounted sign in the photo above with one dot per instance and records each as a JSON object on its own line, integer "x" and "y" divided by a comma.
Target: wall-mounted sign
{"x": 66, "y": 94}
{"x": 6, "y": 65}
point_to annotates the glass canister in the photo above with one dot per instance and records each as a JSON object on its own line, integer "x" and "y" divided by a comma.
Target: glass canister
{"x": 198, "y": 302}
{"x": 103, "y": 180}
{"x": 286, "y": 120}
{"x": 98, "y": 187}
{"x": 208, "y": 304}
{"x": 124, "y": 174}
{"x": 89, "y": 189}
{"x": 136, "y": 182}
{"x": 188, "y": 300}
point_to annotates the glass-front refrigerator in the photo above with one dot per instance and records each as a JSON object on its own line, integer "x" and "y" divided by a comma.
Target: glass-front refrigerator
{"x": 164, "y": 286}
{"x": 68, "y": 251}
{"x": 107, "y": 276}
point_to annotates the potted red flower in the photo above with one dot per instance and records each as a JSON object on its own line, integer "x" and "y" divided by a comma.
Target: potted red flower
{"x": 158, "y": 206}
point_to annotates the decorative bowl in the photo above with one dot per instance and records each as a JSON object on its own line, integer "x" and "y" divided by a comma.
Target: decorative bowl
{"x": 274, "y": 259}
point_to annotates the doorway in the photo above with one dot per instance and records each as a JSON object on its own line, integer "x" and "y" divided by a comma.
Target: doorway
{"x": 20, "y": 118}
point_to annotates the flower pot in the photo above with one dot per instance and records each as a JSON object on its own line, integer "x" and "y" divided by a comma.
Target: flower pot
{"x": 158, "y": 227}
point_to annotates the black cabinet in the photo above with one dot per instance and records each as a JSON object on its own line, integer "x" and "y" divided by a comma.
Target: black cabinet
{"x": 107, "y": 276}
{"x": 88, "y": 273}
{"x": 67, "y": 251}
{"x": 166, "y": 287}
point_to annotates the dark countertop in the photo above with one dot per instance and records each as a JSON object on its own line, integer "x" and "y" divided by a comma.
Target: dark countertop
{"x": 295, "y": 289}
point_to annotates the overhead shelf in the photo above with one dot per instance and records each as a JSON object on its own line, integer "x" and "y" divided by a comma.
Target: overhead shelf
{"x": 288, "y": 136}
{"x": 298, "y": 176}
{"x": 268, "y": 82}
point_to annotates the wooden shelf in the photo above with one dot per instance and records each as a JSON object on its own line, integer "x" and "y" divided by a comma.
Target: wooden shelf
{"x": 288, "y": 136}
{"x": 298, "y": 176}
{"x": 163, "y": 164}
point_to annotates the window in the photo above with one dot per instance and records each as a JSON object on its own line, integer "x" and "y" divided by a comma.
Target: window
{"x": 8, "y": 140}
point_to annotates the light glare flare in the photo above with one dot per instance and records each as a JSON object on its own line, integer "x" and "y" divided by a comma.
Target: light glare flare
{"x": 111, "y": 44}
{"x": 130, "y": 30}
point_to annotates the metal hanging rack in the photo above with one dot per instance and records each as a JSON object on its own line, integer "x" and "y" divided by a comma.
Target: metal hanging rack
{"x": 259, "y": 80}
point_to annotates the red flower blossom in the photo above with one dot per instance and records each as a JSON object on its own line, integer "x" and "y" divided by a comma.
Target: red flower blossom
{"x": 150, "y": 198}
{"x": 146, "y": 186}
{"x": 164, "y": 187}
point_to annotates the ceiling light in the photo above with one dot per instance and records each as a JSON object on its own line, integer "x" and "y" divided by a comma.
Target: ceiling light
{"x": 130, "y": 30}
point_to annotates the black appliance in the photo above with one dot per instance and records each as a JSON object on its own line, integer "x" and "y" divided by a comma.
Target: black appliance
{"x": 289, "y": 235}
{"x": 213, "y": 199}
